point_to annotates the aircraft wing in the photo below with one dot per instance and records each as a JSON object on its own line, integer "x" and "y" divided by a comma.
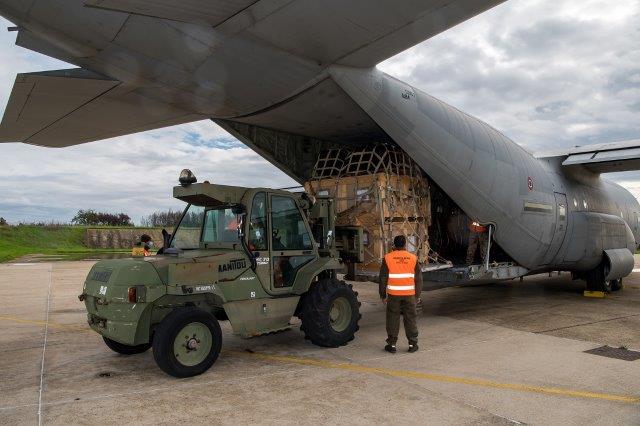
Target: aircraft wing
{"x": 69, "y": 107}
{"x": 358, "y": 33}
{"x": 602, "y": 158}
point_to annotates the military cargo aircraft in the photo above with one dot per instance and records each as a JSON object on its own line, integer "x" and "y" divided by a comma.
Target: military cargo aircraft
{"x": 290, "y": 78}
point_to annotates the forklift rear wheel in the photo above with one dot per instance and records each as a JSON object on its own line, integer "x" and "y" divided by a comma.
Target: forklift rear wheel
{"x": 126, "y": 349}
{"x": 187, "y": 342}
{"x": 330, "y": 312}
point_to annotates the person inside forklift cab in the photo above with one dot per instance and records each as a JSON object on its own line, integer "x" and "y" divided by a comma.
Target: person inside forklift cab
{"x": 477, "y": 237}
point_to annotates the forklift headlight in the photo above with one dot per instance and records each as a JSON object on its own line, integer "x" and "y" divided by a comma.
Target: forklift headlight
{"x": 187, "y": 177}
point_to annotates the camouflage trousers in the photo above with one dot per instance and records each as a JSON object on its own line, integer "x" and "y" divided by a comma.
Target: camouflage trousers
{"x": 476, "y": 239}
{"x": 405, "y": 306}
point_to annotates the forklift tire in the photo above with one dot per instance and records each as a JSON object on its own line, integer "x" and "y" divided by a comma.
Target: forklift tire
{"x": 330, "y": 312}
{"x": 126, "y": 349}
{"x": 187, "y": 342}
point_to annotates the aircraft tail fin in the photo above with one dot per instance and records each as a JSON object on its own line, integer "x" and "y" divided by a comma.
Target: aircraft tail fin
{"x": 69, "y": 107}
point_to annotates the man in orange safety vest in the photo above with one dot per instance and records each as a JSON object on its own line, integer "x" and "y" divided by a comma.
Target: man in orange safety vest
{"x": 400, "y": 287}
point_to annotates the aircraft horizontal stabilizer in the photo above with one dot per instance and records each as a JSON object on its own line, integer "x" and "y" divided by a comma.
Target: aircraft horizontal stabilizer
{"x": 70, "y": 107}
{"x": 602, "y": 158}
{"x": 359, "y": 33}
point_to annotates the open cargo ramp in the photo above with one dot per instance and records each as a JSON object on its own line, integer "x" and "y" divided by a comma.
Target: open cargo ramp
{"x": 468, "y": 275}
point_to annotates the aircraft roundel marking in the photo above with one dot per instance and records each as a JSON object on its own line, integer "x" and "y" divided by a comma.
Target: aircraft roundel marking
{"x": 530, "y": 183}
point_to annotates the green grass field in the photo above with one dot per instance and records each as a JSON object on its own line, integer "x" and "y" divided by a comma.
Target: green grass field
{"x": 17, "y": 241}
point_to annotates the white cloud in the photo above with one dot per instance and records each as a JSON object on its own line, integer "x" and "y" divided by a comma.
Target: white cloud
{"x": 548, "y": 73}
{"x": 134, "y": 173}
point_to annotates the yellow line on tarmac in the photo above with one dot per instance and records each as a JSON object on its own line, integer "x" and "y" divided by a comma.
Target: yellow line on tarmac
{"x": 442, "y": 378}
{"x": 42, "y": 323}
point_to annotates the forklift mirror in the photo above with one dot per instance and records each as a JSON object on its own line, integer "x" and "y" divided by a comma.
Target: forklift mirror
{"x": 330, "y": 239}
{"x": 241, "y": 217}
{"x": 166, "y": 238}
{"x": 239, "y": 209}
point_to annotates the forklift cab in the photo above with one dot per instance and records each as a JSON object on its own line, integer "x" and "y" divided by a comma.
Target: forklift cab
{"x": 268, "y": 225}
{"x": 279, "y": 238}
{"x": 243, "y": 254}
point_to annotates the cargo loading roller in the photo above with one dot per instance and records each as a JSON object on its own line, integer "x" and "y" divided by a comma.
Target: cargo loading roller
{"x": 145, "y": 65}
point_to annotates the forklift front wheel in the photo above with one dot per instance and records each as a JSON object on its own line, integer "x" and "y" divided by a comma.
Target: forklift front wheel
{"x": 187, "y": 342}
{"x": 330, "y": 312}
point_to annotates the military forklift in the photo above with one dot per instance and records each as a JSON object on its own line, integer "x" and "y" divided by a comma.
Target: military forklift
{"x": 253, "y": 256}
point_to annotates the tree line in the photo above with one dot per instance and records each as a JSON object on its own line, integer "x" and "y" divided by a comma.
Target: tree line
{"x": 94, "y": 218}
{"x": 158, "y": 219}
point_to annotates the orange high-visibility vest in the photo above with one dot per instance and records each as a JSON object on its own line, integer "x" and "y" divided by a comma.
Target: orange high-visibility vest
{"x": 402, "y": 266}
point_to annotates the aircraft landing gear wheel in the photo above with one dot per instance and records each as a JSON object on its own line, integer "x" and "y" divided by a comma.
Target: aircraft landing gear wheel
{"x": 126, "y": 349}
{"x": 596, "y": 279}
{"x": 187, "y": 342}
{"x": 330, "y": 312}
{"x": 616, "y": 285}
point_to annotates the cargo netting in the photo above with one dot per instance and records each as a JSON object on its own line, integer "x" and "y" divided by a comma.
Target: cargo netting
{"x": 381, "y": 189}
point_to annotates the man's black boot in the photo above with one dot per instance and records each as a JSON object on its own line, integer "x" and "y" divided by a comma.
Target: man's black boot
{"x": 413, "y": 348}
{"x": 390, "y": 348}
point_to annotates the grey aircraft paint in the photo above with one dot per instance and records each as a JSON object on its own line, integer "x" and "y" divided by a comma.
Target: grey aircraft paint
{"x": 543, "y": 215}
{"x": 292, "y": 77}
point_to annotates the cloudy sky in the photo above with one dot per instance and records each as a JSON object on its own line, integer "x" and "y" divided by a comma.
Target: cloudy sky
{"x": 548, "y": 73}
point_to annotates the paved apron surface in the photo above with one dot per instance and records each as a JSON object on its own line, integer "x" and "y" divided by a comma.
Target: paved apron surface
{"x": 493, "y": 354}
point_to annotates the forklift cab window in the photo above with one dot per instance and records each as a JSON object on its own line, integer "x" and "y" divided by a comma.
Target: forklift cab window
{"x": 258, "y": 223}
{"x": 288, "y": 228}
{"x": 220, "y": 226}
{"x": 187, "y": 234}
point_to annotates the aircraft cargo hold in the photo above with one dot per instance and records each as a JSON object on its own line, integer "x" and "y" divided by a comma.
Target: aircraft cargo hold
{"x": 382, "y": 190}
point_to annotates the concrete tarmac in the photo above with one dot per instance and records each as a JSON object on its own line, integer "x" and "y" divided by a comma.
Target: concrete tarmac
{"x": 494, "y": 354}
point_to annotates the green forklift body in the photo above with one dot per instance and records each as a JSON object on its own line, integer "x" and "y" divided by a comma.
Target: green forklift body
{"x": 246, "y": 254}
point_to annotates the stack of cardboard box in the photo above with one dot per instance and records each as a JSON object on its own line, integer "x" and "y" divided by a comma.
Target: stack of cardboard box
{"x": 380, "y": 189}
